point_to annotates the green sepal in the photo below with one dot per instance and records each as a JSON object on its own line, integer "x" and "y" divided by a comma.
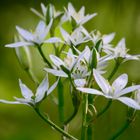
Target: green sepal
{"x": 74, "y": 24}
{"x": 93, "y": 59}
{"x": 98, "y": 45}
{"x": 65, "y": 70}
{"x": 50, "y": 13}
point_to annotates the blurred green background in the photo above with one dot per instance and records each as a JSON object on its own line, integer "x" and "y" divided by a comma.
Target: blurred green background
{"x": 18, "y": 122}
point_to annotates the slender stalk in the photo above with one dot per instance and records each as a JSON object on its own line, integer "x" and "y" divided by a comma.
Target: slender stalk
{"x": 32, "y": 76}
{"x": 48, "y": 121}
{"x": 129, "y": 120}
{"x": 117, "y": 64}
{"x": 62, "y": 48}
{"x": 43, "y": 56}
{"x": 61, "y": 101}
{"x": 84, "y": 119}
{"x": 71, "y": 117}
{"x": 90, "y": 101}
{"x": 89, "y": 133}
{"x": 123, "y": 128}
{"x": 104, "y": 109}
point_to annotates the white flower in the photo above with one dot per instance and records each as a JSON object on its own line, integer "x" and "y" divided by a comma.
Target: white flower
{"x": 120, "y": 51}
{"x": 72, "y": 65}
{"x": 101, "y": 61}
{"x": 31, "y": 99}
{"x": 79, "y": 17}
{"x": 36, "y": 38}
{"x": 76, "y": 38}
{"x": 114, "y": 91}
{"x": 47, "y": 11}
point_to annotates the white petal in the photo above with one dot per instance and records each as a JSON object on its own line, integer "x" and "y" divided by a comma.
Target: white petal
{"x": 128, "y": 90}
{"x": 56, "y": 60}
{"x": 120, "y": 82}
{"x": 108, "y": 38}
{"x": 91, "y": 91}
{"x": 44, "y": 9}
{"x": 81, "y": 56}
{"x": 18, "y": 44}
{"x": 52, "y": 87}
{"x": 59, "y": 73}
{"x": 37, "y": 13}
{"x": 40, "y": 28}
{"x": 80, "y": 82}
{"x": 103, "y": 84}
{"x": 24, "y": 101}
{"x": 131, "y": 57}
{"x": 47, "y": 29}
{"x": 129, "y": 102}
{"x": 26, "y": 92}
{"x": 122, "y": 43}
{"x": 87, "y": 18}
{"x": 121, "y": 48}
{"x": 65, "y": 35}
{"x": 43, "y": 87}
{"x": 71, "y": 9}
{"x": 137, "y": 96}
{"x": 81, "y": 11}
{"x": 9, "y": 102}
{"x": 87, "y": 54}
{"x": 25, "y": 34}
{"x": 53, "y": 40}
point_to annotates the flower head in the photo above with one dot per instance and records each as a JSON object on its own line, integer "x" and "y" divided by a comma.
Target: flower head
{"x": 31, "y": 99}
{"x": 36, "y": 38}
{"x": 79, "y": 17}
{"x": 72, "y": 65}
{"x": 114, "y": 91}
{"x": 48, "y": 12}
{"x": 76, "y": 38}
{"x": 120, "y": 51}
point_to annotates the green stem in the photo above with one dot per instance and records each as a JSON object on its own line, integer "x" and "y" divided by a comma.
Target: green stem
{"x": 84, "y": 119}
{"x": 129, "y": 120}
{"x": 32, "y": 76}
{"x": 124, "y": 127}
{"x": 72, "y": 116}
{"x": 47, "y": 120}
{"x": 43, "y": 56}
{"x": 89, "y": 133}
{"x": 62, "y": 48}
{"x": 117, "y": 64}
{"x": 61, "y": 101}
{"x": 90, "y": 101}
{"x": 104, "y": 109}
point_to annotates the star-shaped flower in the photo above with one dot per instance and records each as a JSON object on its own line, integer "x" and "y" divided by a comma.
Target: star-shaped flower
{"x": 71, "y": 65}
{"x": 79, "y": 17}
{"x": 114, "y": 91}
{"x": 47, "y": 12}
{"x": 76, "y": 38}
{"x": 120, "y": 51}
{"x": 31, "y": 99}
{"x": 36, "y": 38}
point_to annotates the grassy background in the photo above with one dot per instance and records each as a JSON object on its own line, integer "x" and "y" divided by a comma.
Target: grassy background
{"x": 21, "y": 122}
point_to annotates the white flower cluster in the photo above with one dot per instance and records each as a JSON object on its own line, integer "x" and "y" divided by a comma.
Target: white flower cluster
{"x": 85, "y": 55}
